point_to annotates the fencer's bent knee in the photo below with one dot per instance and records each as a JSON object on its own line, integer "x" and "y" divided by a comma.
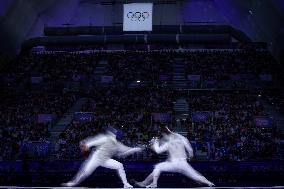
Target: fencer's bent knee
{"x": 157, "y": 170}
{"x": 120, "y": 166}
{"x": 86, "y": 172}
{"x": 157, "y": 167}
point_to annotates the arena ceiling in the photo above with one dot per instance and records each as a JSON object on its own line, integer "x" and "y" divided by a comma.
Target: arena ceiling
{"x": 262, "y": 20}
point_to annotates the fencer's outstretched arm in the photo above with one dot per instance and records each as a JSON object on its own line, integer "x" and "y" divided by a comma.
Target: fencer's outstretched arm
{"x": 159, "y": 149}
{"x": 126, "y": 151}
{"x": 94, "y": 141}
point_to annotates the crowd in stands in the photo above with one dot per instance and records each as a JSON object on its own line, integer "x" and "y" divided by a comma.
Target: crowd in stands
{"x": 239, "y": 67}
{"x": 66, "y": 67}
{"x": 52, "y": 70}
{"x": 20, "y": 122}
{"x": 132, "y": 66}
{"x": 16, "y": 71}
{"x": 129, "y": 110}
{"x": 219, "y": 64}
{"x": 275, "y": 98}
{"x": 230, "y": 135}
{"x": 63, "y": 70}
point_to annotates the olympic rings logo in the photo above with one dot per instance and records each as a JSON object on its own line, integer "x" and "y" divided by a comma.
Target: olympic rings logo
{"x": 138, "y": 16}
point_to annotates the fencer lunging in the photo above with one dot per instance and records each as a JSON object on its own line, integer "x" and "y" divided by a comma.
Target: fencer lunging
{"x": 106, "y": 147}
{"x": 176, "y": 145}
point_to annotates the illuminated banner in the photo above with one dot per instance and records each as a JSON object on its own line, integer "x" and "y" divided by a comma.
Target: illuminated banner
{"x": 83, "y": 116}
{"x": 263, "y": 121}
{"x": 35, "y": 148}
{"x": 137, "y": 17}
{"x": 200, "y": 116}
{"x": 164, "y": 77}
{"x": 193, "y": 77}
{"x": 235, "y": 77}
{"x": 78, "y": 77}
{"x": 265, "y": 77}
{"x": 106, "y": 79}
{"x": 36, "y": 80}
{"x": 162, "y": 117}
{"x": 45, "y": 118}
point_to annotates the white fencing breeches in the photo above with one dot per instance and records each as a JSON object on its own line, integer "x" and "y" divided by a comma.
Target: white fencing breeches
{"x": 180, "y": 166}
{"x": 93, "y": 162}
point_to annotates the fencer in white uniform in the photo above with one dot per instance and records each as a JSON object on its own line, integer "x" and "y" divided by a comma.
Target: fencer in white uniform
{"x": 176, "y": 145}
{"x": 106, "y": 147}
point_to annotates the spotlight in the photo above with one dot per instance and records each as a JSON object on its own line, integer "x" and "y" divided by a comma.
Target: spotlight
{"x": 138, "y": 81}
{"x": 259, "y": 95}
